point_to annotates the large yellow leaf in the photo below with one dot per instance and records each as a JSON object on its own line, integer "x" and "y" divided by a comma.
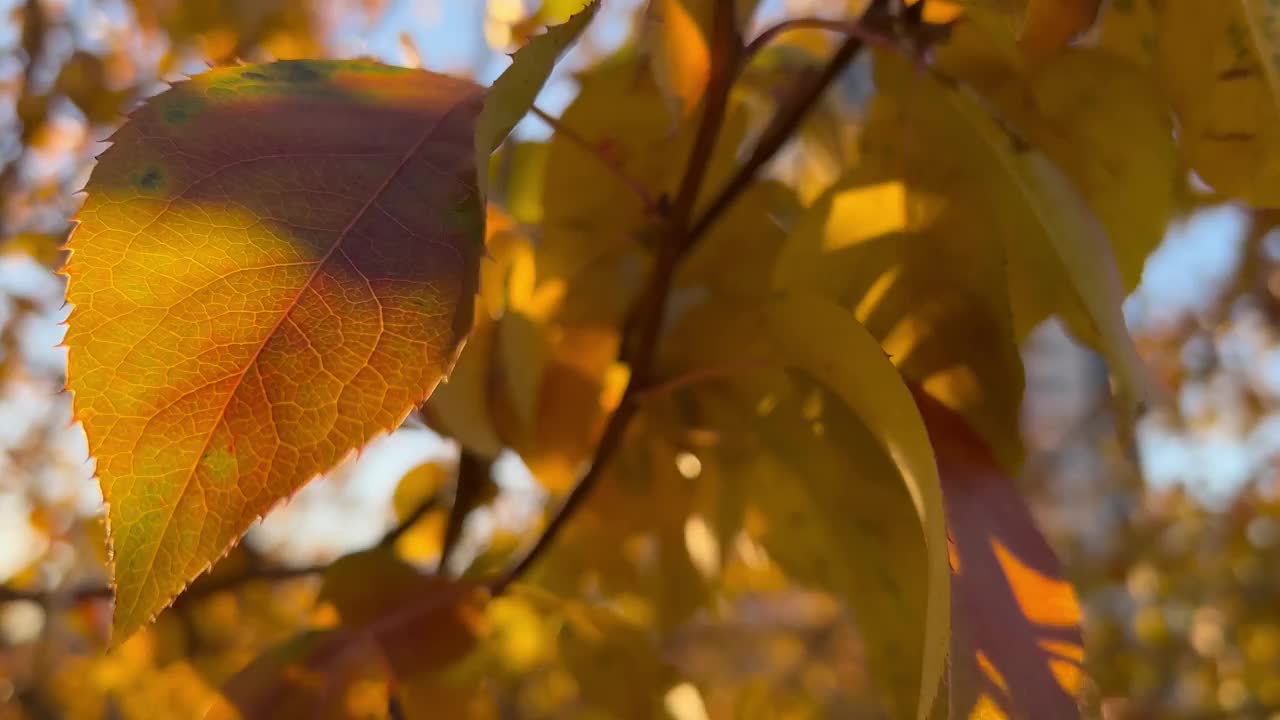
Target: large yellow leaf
{"x": 275, "y": 263}
{"x": 1060, "y": 259}
{"x": 1220, "y": 62}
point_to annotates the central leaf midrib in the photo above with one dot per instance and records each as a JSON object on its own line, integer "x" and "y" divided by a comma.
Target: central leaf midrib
{"x": 413, "y": 150}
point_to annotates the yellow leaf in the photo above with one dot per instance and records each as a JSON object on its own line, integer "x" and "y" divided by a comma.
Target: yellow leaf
{"x": 1060, "y": 259}
{"x": 680, "y": 58}
{"x": 1097, "y": 117}
{"x": 1220, "y": 63}
{"x": 737, "y": 256}
{"x": 1049, "y": 25}
{"x": 919, "y": 266}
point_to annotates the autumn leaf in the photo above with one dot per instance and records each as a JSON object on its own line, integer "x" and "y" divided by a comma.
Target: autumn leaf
{"x": 1049, "y": 25}
{"x": 424, "y": 625}
{"x": 513, "y": 93}
{"x": 1220, "y": 64}
{"x": 1017, "y": 645}
{"x": 275, "y": 263}
{"x": 915, "y": 261}
{"x": 1060, "y": 258}
{"x": 841, "y": 435}
{"x": 824, "y": 341}
{"x": 319, "y": 674}
{"x": 1097, "y": 117}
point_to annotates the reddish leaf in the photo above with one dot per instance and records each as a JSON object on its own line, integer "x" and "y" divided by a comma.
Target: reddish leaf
{"x": 1016, "y": 642}
{"x": 275, "y": 263}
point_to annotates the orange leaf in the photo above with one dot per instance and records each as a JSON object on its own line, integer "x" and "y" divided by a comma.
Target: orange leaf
{"x": 275, "y": 263}
{"x": 1016, "y": 641}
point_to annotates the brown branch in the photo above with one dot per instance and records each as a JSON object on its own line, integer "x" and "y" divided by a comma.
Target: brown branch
{"x": 409, "y": 521}
{"x": 209, "y": 584}
{"x": 876, "y": 35}
{"x": 726, "y": 51}
{"x": 469, "y": 490}
{"x": 780, "y": 130}
{"x": 573, "y": 136}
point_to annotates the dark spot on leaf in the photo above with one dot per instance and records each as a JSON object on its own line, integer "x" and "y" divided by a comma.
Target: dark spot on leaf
{"x": 150, "y": 180}
{"x": 253, "y": 75}
{"x": 299, "y": 72}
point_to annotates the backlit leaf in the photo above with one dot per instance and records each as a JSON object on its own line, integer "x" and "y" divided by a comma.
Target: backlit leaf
{"x": 1017, "y": 641}
{"x": 1060, "y": 260}
{"x": 1098, "y": 117}
{"x": 917, "y": 263}
{"x": 275, "y": 263}
{"x": 513, "y": 93}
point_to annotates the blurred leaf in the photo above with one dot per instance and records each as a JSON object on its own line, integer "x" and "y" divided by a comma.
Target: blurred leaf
{"x": 737, "y": 257}
{"x": 1018, "y": 642}
{"x": 329, "y": 328}
{"x": 824, "y": 341}
{"x": 1220, "y": 63}
{"x": 1058, "y": 254}
{"x": 425, "y": 625}
{"x": 226, "y": 30}
{"x": 591, "y": 217}
{"x": 919, "y": 266}
{"x": 628, "y": 539}
{"x": 513, "y": 93}
{"x": 1050, "y": 25}
{"x": 1098, "y": 118}
{"x": 320, "y": 674}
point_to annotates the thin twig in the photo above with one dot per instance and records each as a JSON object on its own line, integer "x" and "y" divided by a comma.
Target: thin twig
{"x": 674, "y": 384}
{"x": 650, "y": 202}
{"x": 726, "y": 51}
{"x": 209, "y": 584}
{"x": 395, "y": 533}
{"x": 780, "y": 130}
{"x": 868, "y": 33}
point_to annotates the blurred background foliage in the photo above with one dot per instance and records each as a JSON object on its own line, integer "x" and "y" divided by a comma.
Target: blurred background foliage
{"x": 1174, "y": 552}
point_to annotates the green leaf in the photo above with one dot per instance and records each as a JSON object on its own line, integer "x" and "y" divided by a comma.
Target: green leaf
{"x": 513, "y": 93}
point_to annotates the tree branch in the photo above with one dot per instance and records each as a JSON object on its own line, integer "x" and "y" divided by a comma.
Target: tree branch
{"x": 210, "y": 584}
{"x": 780, "y": 129}
{"x": 726, "y": 51}
{"x": 469, "y": 490}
